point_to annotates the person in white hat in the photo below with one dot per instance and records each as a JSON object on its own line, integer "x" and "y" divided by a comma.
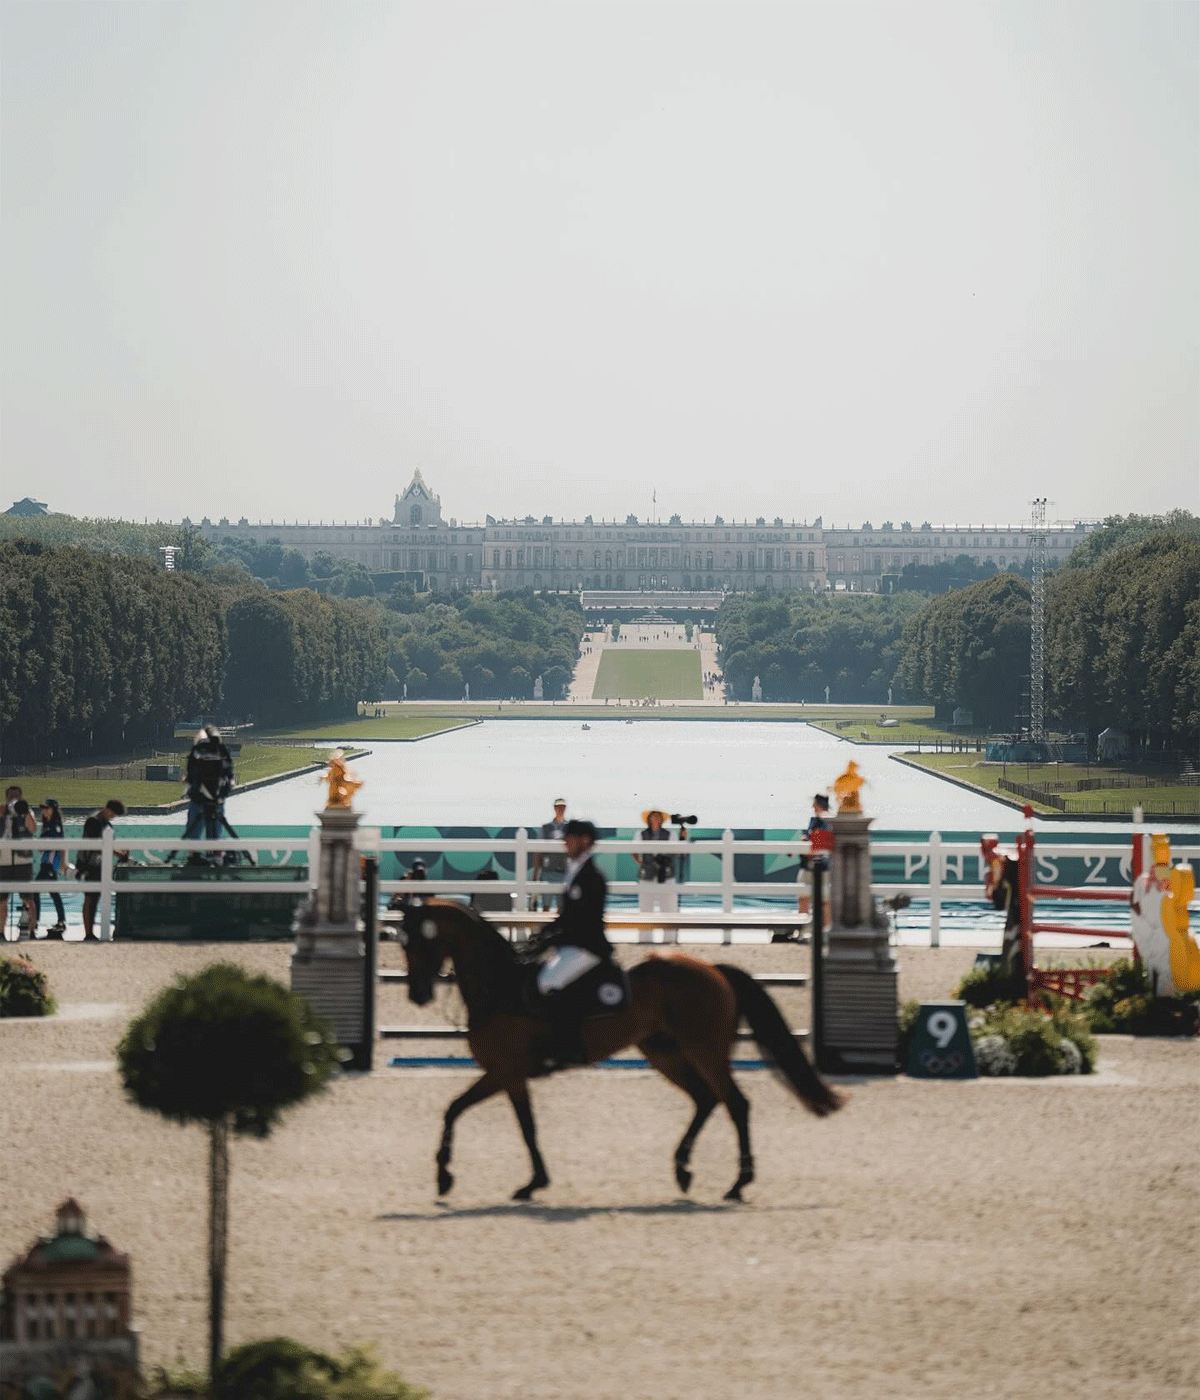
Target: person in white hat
{"x": 658, "y": 891}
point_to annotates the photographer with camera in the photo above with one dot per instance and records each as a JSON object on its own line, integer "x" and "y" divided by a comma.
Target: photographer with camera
{"x": 16, "y": 863}
{"x": 209, "y": 783}
{"x": 657, "y": 890}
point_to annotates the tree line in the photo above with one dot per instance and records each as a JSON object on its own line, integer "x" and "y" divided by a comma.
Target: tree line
{"x": 104, "y": 652}
{"x": 799, "y": 643}
{"x": 1121, "y": 640}
{"x": 496, "y": 644}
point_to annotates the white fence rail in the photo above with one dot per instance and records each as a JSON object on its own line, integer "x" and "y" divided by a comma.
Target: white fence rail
{"x": 933, "y": 858}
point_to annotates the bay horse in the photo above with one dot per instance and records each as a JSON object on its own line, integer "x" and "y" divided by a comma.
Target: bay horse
{"x": 682, "y": 1015}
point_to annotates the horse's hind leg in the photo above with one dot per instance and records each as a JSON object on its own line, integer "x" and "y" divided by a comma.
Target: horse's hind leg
{"x": 524, "y": 1112}
{"x": 671, "y": 1064}
{"x": 483, "y": 1088}
{"x": 720, "y": 1080}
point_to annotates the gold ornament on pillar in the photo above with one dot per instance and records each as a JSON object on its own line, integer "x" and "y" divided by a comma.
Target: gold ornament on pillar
{"x": 338, "y": 779}
{"x": 846, "y": 789}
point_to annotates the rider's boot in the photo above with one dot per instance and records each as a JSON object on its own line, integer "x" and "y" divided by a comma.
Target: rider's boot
{"x": 566, "y": 1048}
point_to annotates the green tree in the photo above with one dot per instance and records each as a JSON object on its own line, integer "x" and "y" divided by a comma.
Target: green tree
{"x": 232, "y": 1051}
{"x": 970, "y": 648}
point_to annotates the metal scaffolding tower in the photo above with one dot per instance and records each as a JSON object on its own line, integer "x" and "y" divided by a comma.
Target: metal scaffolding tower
{"x": 1037, "y": 658}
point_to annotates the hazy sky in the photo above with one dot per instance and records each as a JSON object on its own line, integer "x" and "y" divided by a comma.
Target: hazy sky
{"x": 842, "y": 259}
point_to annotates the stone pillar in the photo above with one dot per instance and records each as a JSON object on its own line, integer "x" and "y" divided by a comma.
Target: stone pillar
{"x": 859, "y": 985}
{"x": 329, "y": 956}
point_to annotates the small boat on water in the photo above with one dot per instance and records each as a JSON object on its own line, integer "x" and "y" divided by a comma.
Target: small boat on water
{"x": 587, "y": 726}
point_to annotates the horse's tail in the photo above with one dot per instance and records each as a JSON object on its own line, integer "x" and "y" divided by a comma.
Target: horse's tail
{"x": 778, "y": 1044}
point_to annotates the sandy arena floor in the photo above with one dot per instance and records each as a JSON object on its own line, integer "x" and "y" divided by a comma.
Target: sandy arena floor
{"x": 993, "y": 1238}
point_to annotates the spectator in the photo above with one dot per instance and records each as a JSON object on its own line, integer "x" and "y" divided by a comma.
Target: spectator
{"x": 553, "y": 865}
{"x": 52, "y": 867}
{"x": 657, "y": 890}
{"x": 16, "y": 862}
{"x": 416, "y": 871}
{"x": 88, "y": 863}
{"x": 819, "y": 821}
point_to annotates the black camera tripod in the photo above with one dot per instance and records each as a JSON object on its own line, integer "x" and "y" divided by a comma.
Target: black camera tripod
{"x": 214, "y": 820}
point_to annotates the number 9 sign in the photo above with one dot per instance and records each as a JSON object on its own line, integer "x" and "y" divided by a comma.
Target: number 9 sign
{"x": 941, "y": 1043}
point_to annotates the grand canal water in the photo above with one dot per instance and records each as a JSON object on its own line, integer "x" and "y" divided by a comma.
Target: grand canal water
{"x": 743, "y": 774}
{"x": 508, "y": 772}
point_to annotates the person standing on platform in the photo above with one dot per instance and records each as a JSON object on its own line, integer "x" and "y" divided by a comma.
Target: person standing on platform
{"x": 657, "y": 891}
{"x": 552, "y": 865}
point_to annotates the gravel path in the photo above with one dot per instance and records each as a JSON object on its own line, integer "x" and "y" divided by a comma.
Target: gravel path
{"x": 993, "y": 1238}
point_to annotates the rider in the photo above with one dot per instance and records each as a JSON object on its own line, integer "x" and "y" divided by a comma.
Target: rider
{"x": 578, "y": 941}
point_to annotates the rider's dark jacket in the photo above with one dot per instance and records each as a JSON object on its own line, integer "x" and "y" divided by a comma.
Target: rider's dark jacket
{"x": 580, "y": 922}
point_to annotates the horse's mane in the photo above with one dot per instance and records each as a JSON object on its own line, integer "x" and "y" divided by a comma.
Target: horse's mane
{"x": 495, "y": 951}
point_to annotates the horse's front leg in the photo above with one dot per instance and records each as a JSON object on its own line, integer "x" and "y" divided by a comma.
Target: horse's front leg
{"x": 483, "y": 1088}
{"x": 524, "y": 1112}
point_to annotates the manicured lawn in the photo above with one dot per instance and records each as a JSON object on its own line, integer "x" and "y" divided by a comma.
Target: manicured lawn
{"x": 1176, "y": 800}
{"x": 85, "y": 789}
{"x": 397, "y": 723}
{"x": 915, "y": 724}
{"x": 661, "y": 673}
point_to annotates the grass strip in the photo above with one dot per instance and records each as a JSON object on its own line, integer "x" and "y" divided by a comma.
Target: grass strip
{"x": 78, "y": 789}
{"x": 659, "y": 673}
{"x": 1158, "y": 801}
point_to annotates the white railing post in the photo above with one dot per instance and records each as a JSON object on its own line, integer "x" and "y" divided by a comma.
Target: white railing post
{"x": 106, "y": 884}
{"x": 935, "y": 889}
{"x": 521, "y": 868}
{"x": 727, "y": 873}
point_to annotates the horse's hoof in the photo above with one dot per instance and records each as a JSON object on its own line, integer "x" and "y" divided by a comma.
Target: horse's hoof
{"x": 526, "y": 1192}
{"x": 682, "y": 1176}
{"x": 734, "y": 1194}
{"x": 445, "y": 1181}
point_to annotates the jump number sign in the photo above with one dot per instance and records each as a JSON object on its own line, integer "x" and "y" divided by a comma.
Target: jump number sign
{"x": 941, "y": 1043}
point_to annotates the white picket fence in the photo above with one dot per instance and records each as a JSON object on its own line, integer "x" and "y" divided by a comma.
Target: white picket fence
{"x": 935, "y": 859}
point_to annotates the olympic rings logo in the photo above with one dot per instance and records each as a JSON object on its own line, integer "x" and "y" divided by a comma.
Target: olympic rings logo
{"x": 935, "y": 1063}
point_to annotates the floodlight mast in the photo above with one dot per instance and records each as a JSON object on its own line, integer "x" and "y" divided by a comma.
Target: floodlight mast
{"x": 1037, "y": 654}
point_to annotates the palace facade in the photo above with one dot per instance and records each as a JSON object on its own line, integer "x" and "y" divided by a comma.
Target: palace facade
{"x": 651, "y": 556}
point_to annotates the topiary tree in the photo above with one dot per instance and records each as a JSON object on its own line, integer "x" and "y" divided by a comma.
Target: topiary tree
{"x": 23, "y": 989}
{"x": 232, "y": 1051}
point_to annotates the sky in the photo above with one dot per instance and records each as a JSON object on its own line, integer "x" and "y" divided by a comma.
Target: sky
{"x": 846, "y": 260}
